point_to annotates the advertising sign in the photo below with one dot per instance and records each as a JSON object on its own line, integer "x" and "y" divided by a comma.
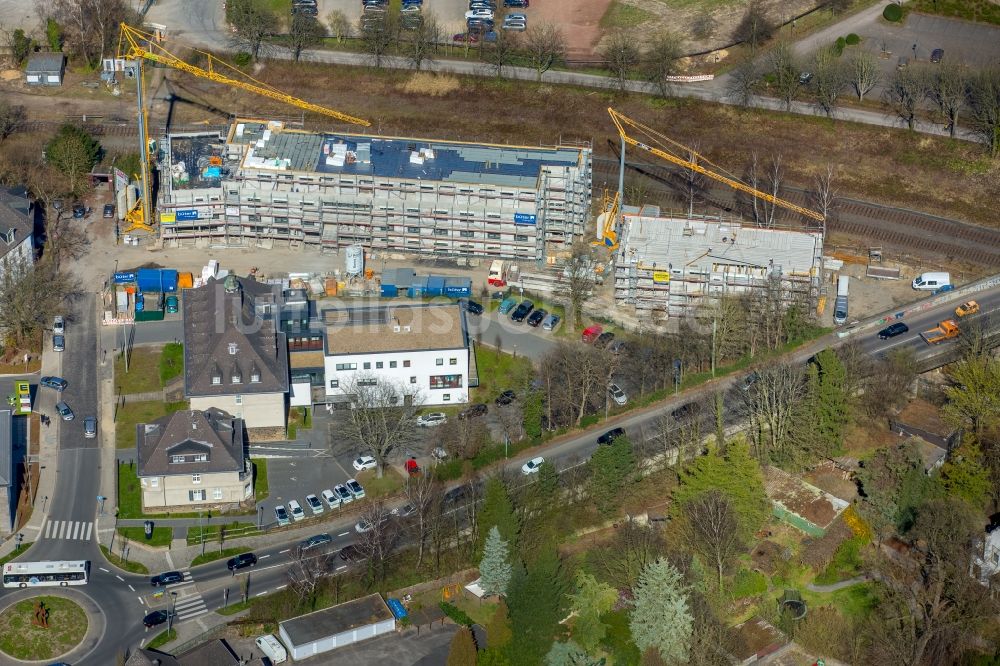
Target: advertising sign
{"x": 524, "y": 218}
{"x": 124, "y": 277}
{"x": 187, "y": 214}
{"x": 121, "y": 180}
{"x": 661, "y": 277}
{"x": 167, "y": 218}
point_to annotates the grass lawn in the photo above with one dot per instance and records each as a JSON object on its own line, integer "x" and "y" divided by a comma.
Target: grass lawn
{"x": 233, "y": 609}
{"x": 260, "y": 487}
{"x": 161, "y": 535}
{"x": 142, "y": 375}
{"x": 970, "y": 10}
{"x": 388, "y": 485}
{"x": 233, "y": 530}
{"x": 140, "y": 412}
{"x": 162, "y": 639}
{"x": 299, "y": 418}
{"x": 130, "y": 498}
{"x": 22, "y": 639}
{"x": 620, "y": 15}
{"x": 131, "y": 567}
{"x": 17, "y": 553}
{"x": 211, "y": 556}
{"x": 171, "y": 362}
{"x": 499, "y": 372}
{"x": 855, "y": 601}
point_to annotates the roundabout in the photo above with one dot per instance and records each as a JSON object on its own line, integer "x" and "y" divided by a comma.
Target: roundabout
{"x": 42, "y": 627}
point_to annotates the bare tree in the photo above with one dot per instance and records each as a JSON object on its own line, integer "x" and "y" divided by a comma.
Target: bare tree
{"x": 624, "y": 559}
{"x": 712, "y": 528}
{"x": 422, "y": 493}
{"x": 339, "y": 24}
{"x": 755, "y": 27}
{"x": 785, "y": 72}
{"x": 580, "y": 278}
{"x": 378, "y": 35}
{"x": 500, "y": 52}
{"x": 11, "y": 118}
{"x": 887, "y": 387}
{"x": 743, "y": 83}
{"x": 378, "y": 538}
{"x": 511, "y": 419}
{"x": 766, "y": 178}
{"x": 254, "y": 24}
{"x": 545, "y": 47}
{"x": 661, "y": 59}
{"x": 381, "y": 421}
{"x": 91, "y": 26}
{"x": 824, "y": 194}
{"x": 903, "y": 92}
{"x": 864, "y": 73}
{"x": 421, "y": 42}
{"x": 30, "y": 295}
{"x": 621, "y": 56}
{"x": 770, "y": 403}
{"x": 829, "y": 80}
{"x": 694, "y": 181}
{"x": 463, "y": 438}
{"x": 983, "y": 101}
{"x": 305, "y": 33}
{"x": 946, "y": 88}
{"x": 305, "y": 573}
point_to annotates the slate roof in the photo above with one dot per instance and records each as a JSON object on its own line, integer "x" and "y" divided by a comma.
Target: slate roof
{"x": 191, "y": 432}
{"x": 215, "y": 653}
{"x": 15, "y": 216}
{"x": 6, "y": 449}
{"x": 229, "y": 330}
{"x": 45, "y": 62}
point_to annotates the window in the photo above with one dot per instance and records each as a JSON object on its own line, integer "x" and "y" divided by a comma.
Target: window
{"x": 492, "y": 235}
{"x": 446, "y": 397}
{"x": 238, "y": 400}
{"x": 217, "y": 493}
{"x": 334, "y": 383}
{"x": 445, "y": 381}
{"x": 413, "y": 380}
{"x": 520, "y": 238}
{"x": 439, "y": 361}
{"x": 237, "y": 378}
{"x": 467, "y": 234}
{"x": 216, "y": 379}
{"x": 255, "y": 377}
{"x": 346, "y": 366}
{"x": 406, "y": 364}
{"x": 413, "y": 230}
{"x": 154, "y": 482}
{"x": 201, "y": 457}
{"x": 392, "y": 364}
{"x": 378, "y": 365}
{"x": 367, "y": 382}
{"x": 232, "y": 349}
{"x": 176, "y": 459}
{"x": 196, "y": 478}
{"x": 196, "y": 495}
{"x": 440, "y": 232}
{"x": 367, "y": 365}
{"x": 452, "y": 361}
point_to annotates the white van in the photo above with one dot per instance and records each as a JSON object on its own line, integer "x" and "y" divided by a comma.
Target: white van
{"x": 931, "y": 281}
{"x": 272, "y": 648}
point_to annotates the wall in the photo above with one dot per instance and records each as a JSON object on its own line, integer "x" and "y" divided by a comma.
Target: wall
{"x": 361, "y": 633}
{"x": 423, "y": 364}
{"x": 173, "y": 490}
{"x": 258, "y": 410}
{"x": 23, "y": 251}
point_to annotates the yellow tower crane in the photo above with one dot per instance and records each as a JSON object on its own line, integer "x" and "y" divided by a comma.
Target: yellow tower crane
{"x": 135, "y": 46}
{"x": 623, "y": 123}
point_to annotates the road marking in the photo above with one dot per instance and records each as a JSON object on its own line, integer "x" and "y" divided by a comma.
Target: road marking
{"x": 103, "y": 569}
{"x": 77, "y": 530}
{"x": 90, "y": 527}
{"x": 63, "y": 524}
{"x": 120, "y": 578}
{"x": 260, "y": 594}
{"x": 263, "y": 557}
{"x": 48, "y": 529}
{"x": 143, "y": 642}
{"x": 282, "y": 552}
{"x": 343, "y": 534}
{"x": 281, "y": 587}
{"x": 139, "y": 598}
{"x": 343, "y": 567}
{"x": 132, "y": 589}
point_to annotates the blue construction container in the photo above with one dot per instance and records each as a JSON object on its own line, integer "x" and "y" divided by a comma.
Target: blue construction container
{"x": 149, "y": 279}
{"x": 435, "y": 285}
{"x": 458, "y": 287}
{"x": 389, "y": 291}
{"x": 416, "y": 291}
{"x": 168, "y": 280}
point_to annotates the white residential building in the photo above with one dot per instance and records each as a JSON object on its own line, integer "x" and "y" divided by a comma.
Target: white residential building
{"x": 17, "y": 246}
{"x": 422, "y": 349}
{"x": 986, "y": 557}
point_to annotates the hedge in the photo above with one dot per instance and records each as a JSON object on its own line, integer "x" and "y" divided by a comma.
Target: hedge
{"x": 892, "y": 13}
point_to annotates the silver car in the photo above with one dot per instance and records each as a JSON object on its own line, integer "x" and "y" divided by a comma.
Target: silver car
{"x": 90, "y": 427}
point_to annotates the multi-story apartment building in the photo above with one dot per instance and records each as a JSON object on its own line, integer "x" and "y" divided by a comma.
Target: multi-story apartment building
{"x": 17, "y": 245}
{"x": 264, "y": 184}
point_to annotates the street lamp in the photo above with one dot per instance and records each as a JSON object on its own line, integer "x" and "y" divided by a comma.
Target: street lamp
{"x": 45, "y": 501}
{"x": 17, "y": 541}
{"x": 201, "y": 525}
{"x": 260, "y": 516}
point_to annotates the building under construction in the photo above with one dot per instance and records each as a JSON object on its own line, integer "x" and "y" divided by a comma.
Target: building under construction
{"x": 667, "y": 266}
{"x": 265, "y": 184}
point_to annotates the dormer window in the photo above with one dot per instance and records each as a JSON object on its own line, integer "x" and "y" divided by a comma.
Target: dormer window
{"x": 176, "y": 459}
{"x": 255, "y": 377}
{"x": 232, "y": 349}
{"x": 216, "y": 379}
{"x": 237, "y": 377}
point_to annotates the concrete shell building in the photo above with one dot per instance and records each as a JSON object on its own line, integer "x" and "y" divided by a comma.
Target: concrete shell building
{"x": 264, "y": 184}
{"x": 668, "y": 266}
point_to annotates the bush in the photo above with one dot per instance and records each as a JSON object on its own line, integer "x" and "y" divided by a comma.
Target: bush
{"x": 450, "y": 470}
{"x": 748, "y": 583}
{"x": 846, "y": 562}
{"x": 838, "y": 46}
{"x": 892, "y": 13}
{"x": 242, "y": 59}
{"x": 457, "y": 615}
{"x": 853, "y": 40}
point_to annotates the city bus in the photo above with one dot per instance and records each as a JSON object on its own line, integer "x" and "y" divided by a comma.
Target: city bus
{"x": 46, "y": 574}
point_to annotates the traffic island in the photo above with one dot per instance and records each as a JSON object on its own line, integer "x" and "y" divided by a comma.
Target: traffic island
{"x": 42, "y": 628}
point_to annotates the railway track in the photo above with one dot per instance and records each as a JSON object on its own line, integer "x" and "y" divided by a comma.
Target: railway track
{"x": 895, "y": 229}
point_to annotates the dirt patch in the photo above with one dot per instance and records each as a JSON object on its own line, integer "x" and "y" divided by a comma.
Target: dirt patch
{"x": 863, "y": 438}
{"x": 837, "y": 482}
{"x": 579, "y": 21}
{"x": 755, "y": 637}
{"x": 434, "y": 85}
{"x": 817, "y": 553}
{"x": 767, "y": 556}
{"x": 922, "y": 414}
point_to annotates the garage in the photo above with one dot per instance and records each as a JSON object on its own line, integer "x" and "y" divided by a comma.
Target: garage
{"x": 45, "y": 69}
{"x": 337, "y": 626}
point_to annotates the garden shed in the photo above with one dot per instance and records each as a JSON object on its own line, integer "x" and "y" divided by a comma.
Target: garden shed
{"x": 337, "y": 626}
{"x": 45, "y": 69}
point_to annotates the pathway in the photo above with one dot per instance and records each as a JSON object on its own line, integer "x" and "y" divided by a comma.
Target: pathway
{"x": 833, "y": 587}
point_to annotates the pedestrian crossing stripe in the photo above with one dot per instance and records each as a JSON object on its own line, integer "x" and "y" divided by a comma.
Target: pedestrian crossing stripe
{"x": 74, "y": 530}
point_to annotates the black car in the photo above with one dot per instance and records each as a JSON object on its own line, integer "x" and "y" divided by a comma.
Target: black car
{"x": 472, "y": 307}
{"x": 603, "y": 340}
{"x": 166, "y": 578}
{"x": 351, "y": 554}
{"x": 57, "y": 383}
{"x": 937, "y": 55}
{"x": 505, "y": 398}
{"x": 241, "y": 561}
{"x": 456, "y": 495}
{"x": 515, "y": 3}
{"x": 109, "y": 211}
{"x": 684, "y": 411}
{"x": 79, "y": 210}
{"x": 473, "y": 411}
{"x": 315, "y": 541}
{"x": 536, "y": 317}
{"x": 611, "y": 436}
{"x": 892, "y": 330}
{"x": 522, "y": 311}
{"x": 155, "y": 618}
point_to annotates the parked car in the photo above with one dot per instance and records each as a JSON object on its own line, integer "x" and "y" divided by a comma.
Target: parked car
{"x": 166, "y": 578}
{"x": 155, "y": 618}
{"x": 57, "y": 383}
{"x": 331, "y": 499}
{"x": 314, "y": 504}
{"x": 79, "y": 210}
{"x": 281, "y": 515}
{"x": 295, "y": 509}
{"x": 937, "y": 55}
{"x": 604, "y": 339}
{"x": 456, "y": 495}
{"x": 404, "y": 511}
{"x": 355, "y": 488}
{"x": 58, "y": 343}
{"x": 943, "y": 288}
{"x": 432, "y": 419}
{"x": 537, "y": 317}
{"x": 805, "y": 78}
{"x": 611, "y": 436}
{"x": 315, "y": 541}
{"x": 343, "y": 493}
{"x": 109, "y": 211}
{"x": 171, "y": 304}
{"x": 516, "y": 3}
{"x": 516, "y": 22}
{"x": 471, "y": 412}
{"x": 90, "y": 427}
{"x": 351, "y": 554}
{"x": 892, "y": 330}
{"x": 65, "y": 413}
{"x": 479, "y": 13}
{"x": 58, "y": 325}
{"x": 241, "y": 561}
{"x": 617, "y": 346}
{"x": 550, "y": 322}
{"x": 522, "y": 311}
{"x": 364, "y": 525}
{"x": 506, "y": 305}
{"x": 747, "y": 383}
{"x": 472, "y": 307}
{"x": 617, "y": 394}
{"x": 466, "y": 38}
{"x": 505, "y": 398}
{"x": 531, "y": 467}
{"x": 364, "y": 462}
{"x": 591, "y": 333}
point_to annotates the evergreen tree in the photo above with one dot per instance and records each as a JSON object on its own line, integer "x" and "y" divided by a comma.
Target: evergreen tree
{"x": 825, "y": 412}
{"x": 610, "y": 466}
{"x": 494, "y": 569}
{"x": 965, "y": 475}
{"x": 463, "y": 649}
{"x": 497, "y": 511}
{"x": 537, "y": 601}
{"x": 592, "y": 599}
{"x": 661, "y": 618}
{"x": 547, "y": 485}
{"x": 498, "y": 630}
{"x": 73, "y": 152}
{"x": 493, "y": 657}
{"x": 569, "y": 654}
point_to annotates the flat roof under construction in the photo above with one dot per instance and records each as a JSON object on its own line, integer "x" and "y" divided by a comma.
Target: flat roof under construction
{"x": 389, "y": 157}
{"x": 679, "y": 243}
{"x": 197, "y": 161}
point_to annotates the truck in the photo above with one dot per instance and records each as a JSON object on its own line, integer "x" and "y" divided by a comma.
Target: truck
{"x": 498, "y": 273}
{"x": 944, "y": 331}
{"x": 840, "y": 305}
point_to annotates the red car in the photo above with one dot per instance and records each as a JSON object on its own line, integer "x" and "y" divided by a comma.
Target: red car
{"x": 467, "y": 37}
{"x": 591, "y": 333}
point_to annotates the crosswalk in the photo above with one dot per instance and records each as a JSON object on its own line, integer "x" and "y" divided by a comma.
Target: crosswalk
{"x": 75, "y": 530}
{"x": 188, "y": 605}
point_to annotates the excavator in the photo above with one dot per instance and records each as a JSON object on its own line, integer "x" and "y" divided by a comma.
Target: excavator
{"x": 136, "y": 47}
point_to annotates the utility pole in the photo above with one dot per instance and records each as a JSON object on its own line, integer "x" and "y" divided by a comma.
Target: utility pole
{"x": 715, "y": 322}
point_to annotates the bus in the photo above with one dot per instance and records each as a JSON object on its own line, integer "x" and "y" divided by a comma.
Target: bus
{"x": 46, "y": 574}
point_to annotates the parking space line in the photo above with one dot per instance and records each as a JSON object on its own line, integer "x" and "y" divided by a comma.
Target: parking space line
{"x": 103, "y": 569}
